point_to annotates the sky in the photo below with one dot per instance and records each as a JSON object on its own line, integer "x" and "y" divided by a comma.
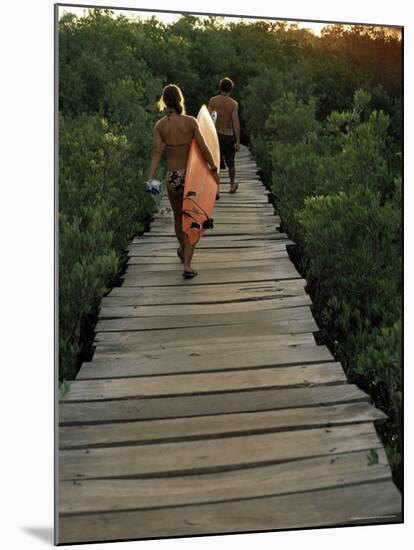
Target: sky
{"x": 171, "y": 18}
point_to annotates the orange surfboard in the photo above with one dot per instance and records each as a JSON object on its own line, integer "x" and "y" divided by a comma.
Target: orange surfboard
{"x": 200, "y": 187}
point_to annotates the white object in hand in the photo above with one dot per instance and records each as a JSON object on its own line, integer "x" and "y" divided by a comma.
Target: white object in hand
{"x": 154, "y": 186}
{"x": 214, "y": 116}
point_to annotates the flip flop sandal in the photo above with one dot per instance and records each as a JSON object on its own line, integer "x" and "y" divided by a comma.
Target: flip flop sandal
{"x": 179, "y": 254}
{"x": 189, "y": 274}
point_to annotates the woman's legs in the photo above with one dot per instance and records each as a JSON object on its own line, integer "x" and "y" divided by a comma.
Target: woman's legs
{"x": 178, "y": 231}
{"x": 176, "y": 201}
{"x": 188, "y": 254}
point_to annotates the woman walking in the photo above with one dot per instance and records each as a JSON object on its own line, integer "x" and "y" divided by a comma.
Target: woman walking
{"x": 175, "y": 132}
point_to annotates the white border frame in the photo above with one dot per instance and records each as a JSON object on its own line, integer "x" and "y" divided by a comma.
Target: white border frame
{"x": 27, "y": 231}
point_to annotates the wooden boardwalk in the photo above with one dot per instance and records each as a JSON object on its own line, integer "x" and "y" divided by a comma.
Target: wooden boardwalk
{"x": 208, "y": 407}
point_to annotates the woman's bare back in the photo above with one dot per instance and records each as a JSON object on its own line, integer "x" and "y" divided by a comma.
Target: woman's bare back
{"x": 177, "y": 132}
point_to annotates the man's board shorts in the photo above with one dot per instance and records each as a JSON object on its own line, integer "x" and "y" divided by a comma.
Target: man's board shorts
{"x": 227, "y": 150}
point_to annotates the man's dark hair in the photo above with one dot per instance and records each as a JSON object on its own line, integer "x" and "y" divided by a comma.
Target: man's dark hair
{"x": 226, "y": 84}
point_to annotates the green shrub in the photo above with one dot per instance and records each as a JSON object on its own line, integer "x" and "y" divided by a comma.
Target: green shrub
{"x": 102, "y": 204}
{"x": 353, "y": 246}
{"x": 352, "y": 243}
{"x": 87, "y": 263}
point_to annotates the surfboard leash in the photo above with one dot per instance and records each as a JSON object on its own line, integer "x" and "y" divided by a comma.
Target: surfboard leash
{"x": 208, "y": 222}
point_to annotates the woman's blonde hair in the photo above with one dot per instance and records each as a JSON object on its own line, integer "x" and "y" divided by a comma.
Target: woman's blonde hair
{"x": 172, "y": 98}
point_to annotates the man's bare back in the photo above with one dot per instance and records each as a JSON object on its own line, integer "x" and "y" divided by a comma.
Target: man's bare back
{"x": 225, "y": 107}
{"x": 228, "y": 127}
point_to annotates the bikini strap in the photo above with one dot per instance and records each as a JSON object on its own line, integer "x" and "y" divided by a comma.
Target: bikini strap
{"x": 177, "y": 144}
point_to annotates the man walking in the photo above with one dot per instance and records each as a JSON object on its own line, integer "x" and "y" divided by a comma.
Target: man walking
{"x": 228, "y": 128}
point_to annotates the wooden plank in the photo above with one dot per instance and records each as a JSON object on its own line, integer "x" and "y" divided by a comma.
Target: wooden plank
{"x": 231, "y": 289}
{"x": 165, "y": 231}
{"x": 250, "y": 191}
{"x": 275, "y": 317}
{"x": 289, "y": 331}
{"x": 242, "y": 165}
{"x": 244, "y": 172}
{"x": 261, "y": 241}
{"x": 229, "y": 292}
{"x": 217, "y": 258}
{"x": 246, "y": 178}
{"x": 276, "y": 479}
{"x": 119, "y": 326}
{"x": 167, "y": 248}
{"x": 113, "y": 311}
{"x": 283, "y": 270}
{"x": 225, "y": 218}
{"x": 167, "y": 245}
{"x": 124, "y": 308}
{"x": 268, "y": 241}
{"x": 378, "y": 502}
{"x": 209, "y": 455}
{"x": 249, "y": 196}
{"x": 225, "y": 221}
{"x": 233, "y": 205}
{"x": 234, "y": 199}
{"x": 197, "y": 264}
{"x": 223, "y": 230}
{"x": 201, "y": 383}
{"x": 199, "y": 427}
{"x": 245, "y": 200}
{"x": 191, "y": 319}
{"x": 184, "y": 406}
{"x": 168, "y": 237}
{"x": 201, "y": 357}
{"x": 119, "y": 307}
{"x": 256, "y": 215}
{"x": 245, "y": 164}
{"x": 244, "y": 208}
{"x": 218, "y": 254}
{"x": 111, "y": 345}
{"x": 260, "y": 214}
{"x": 248, "y": 183}
{"x": 222, "y": 221}
{"x": 225, "y": 213}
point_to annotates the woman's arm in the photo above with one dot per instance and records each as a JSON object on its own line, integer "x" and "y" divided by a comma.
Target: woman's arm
{"x": 205, "y": 150}
{"x": 157, "y": 150}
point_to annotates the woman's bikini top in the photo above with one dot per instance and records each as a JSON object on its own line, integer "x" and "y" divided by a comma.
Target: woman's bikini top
{"x": 177, "y": 144}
